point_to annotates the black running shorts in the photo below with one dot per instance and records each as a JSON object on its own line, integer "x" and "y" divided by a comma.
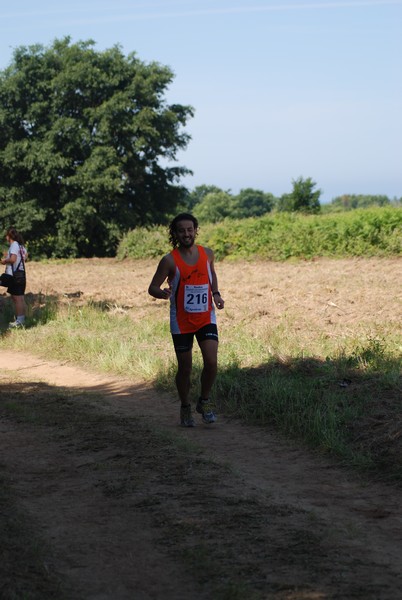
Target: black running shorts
{"x": 183, "y": 342}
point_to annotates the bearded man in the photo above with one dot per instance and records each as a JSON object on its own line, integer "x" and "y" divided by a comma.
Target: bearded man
{"x": 189, "y": 281}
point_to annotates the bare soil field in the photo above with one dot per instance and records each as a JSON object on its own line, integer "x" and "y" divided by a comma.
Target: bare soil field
{"x": 333, "y": 296}
{"x": 121, "y": 503}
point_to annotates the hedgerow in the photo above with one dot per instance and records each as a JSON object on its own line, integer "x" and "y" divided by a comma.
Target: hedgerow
{"x": 280, "y": 236}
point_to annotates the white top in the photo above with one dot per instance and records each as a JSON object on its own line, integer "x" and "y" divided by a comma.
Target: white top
{"x": 20, "y": 253}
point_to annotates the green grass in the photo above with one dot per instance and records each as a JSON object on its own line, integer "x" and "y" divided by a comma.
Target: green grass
{"x": 91, "y": 337}
{"x": 326, "y": 394}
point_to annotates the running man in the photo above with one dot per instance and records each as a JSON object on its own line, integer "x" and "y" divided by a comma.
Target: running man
{"x": 192, "y": 288}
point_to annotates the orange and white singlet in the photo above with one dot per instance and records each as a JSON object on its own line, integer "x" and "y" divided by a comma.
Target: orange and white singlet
{"x": 191, "y": 305}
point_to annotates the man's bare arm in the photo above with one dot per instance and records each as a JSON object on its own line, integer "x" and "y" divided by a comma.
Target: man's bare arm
{"x": 164, "y": 271}
{"x": 219, "y": 301}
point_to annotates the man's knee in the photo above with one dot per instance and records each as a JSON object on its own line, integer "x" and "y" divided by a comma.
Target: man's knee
{"x": 184, "y": 364}
{"x": 210, "y": 363}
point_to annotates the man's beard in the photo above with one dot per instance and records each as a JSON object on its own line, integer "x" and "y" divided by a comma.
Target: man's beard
{"x": 187, "y": 243}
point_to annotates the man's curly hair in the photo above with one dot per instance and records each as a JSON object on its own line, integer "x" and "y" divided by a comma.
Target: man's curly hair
{"x": 173, "y": 227}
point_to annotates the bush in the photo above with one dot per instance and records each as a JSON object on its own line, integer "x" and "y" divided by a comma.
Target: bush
{"x": 144, "y": 242}
{"x": 362, "y": 232}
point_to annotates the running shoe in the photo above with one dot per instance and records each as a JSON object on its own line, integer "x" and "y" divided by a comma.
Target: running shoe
{"x": 204, "y": 408}
{"x": 186, "y": 418}
{"x": 15, "y": 325}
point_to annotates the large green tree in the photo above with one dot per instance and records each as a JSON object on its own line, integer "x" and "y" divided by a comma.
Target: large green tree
{"x": 87, "y": 142}
{"x": 214, "y": 207}
{"x": 198, "y": 194}
{"x": 252, "y": 203}
{"x": 303, "y": 197}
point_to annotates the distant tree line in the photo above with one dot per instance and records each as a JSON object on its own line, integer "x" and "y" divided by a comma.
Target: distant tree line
{"x": 211, "y": 204}
{"x": 352, "y": 201}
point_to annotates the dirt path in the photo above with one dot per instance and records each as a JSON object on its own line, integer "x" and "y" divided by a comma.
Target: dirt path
{"x": 127, "y": 513}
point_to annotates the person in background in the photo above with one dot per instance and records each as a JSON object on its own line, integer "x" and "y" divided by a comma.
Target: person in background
{"x": 14, "y": 260}
{"x": 192, "y": 288}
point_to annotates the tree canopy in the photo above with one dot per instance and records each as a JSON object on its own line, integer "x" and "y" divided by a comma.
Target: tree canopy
{"x": 85, "y": 137}
{"x": 252, "y": 203}
{"x": 197, "y": 195}
{"x": 214, "y": 207}
{"x": 302, "y": 198}
{"x": 212, "y": 204}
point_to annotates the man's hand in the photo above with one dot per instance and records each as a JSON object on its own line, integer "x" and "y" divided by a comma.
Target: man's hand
{"x": 219, "y": 301}
{"x": 166, "y": 293}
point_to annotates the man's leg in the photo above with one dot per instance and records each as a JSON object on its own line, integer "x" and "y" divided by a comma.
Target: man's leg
{"x": 183, "y": 375}
{"x": 209, "y": 350}
{"x": 183, "y": 345}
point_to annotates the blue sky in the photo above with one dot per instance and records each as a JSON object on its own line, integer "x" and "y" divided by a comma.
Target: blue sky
{"x": 280, "y": 89}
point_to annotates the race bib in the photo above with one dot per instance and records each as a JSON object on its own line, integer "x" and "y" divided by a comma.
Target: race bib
{"x": 196, "y": 298}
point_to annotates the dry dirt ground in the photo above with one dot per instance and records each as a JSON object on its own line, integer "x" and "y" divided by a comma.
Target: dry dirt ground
{"x": 124, "y": 504}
